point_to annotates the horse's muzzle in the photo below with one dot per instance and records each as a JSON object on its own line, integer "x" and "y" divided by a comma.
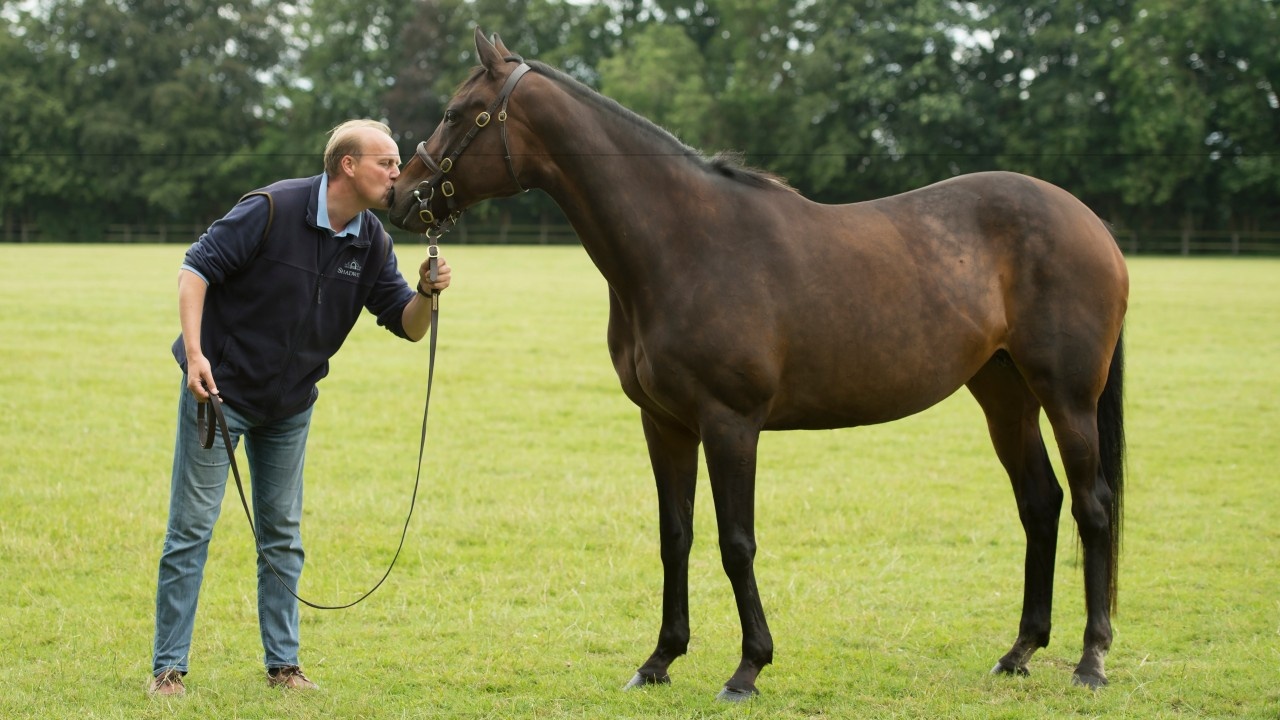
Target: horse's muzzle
{"x": 400, "y": 209}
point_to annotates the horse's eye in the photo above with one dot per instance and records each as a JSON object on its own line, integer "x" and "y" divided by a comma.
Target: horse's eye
{"x": 450, "y": 117}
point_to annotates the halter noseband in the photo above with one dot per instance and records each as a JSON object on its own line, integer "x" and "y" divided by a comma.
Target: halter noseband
{"x": 426, "y": 189}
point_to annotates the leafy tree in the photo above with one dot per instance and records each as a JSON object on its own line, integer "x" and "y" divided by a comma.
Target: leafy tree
{"x": 340, "y": 64}
{"x": 430, "y": 59}
{"x": 1134, "y": 105}
{"x": 34, "y": 127}
{"x": 660, "y": 75}
{"x": 876, "y": 99}
{"x": 1042, "y": 72}
{"x": 154, "y": 96}
{"x": 1227, "y": 58}
{"x": 1156, "y": 112}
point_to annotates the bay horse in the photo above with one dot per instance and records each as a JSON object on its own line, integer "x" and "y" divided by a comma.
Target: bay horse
{"x": 736, "y": 306}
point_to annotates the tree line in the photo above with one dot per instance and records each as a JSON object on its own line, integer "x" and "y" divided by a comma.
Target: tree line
{"x": 1158, "y": 113}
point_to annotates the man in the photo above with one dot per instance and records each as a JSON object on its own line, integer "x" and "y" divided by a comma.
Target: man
{"x": 265, "y": 297}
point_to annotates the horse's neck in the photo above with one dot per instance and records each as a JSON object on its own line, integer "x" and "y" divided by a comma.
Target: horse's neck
{"x": 621, "y": 192}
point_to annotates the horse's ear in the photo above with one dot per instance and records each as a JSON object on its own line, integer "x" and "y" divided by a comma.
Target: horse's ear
{"x": 489, "y": 56}
{"x": 497, "y": 42}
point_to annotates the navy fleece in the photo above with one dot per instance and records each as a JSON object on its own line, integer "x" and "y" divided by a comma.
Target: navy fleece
{"x": 277, "y": 309}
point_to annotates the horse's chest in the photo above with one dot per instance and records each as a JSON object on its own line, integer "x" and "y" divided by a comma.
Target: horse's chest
{"x": 636, "y": 369}
{"x": 650, "y": 373}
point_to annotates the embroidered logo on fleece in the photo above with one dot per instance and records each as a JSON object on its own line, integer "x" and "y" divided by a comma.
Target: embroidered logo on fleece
{"x": 352, "y": 268}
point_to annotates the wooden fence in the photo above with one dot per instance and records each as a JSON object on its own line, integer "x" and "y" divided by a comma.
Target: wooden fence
{"x": 1183, "y": 242}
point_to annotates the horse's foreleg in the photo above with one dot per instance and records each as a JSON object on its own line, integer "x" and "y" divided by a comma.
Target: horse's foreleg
{"x": 731, "y": 463}
{"x": 673, "y": 453}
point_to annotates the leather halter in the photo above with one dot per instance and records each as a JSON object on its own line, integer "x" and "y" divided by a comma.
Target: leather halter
{"x": 426, "y": 189}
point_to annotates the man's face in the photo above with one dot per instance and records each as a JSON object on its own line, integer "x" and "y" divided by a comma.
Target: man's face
{"x": 375, "y": 170}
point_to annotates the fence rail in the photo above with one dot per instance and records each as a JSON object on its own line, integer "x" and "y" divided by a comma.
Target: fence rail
{"x": 1179, "y": 242}
{"x": 1132, "y": 242}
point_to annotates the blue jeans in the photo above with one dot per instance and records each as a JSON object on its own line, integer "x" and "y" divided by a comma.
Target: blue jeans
{"x": 275, "y": 452}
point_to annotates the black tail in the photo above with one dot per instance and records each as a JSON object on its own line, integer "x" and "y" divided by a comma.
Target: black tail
{"x": 1111, "y": 448}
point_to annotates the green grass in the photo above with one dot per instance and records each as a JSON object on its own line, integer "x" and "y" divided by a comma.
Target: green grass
{"x": 889, "y": 562}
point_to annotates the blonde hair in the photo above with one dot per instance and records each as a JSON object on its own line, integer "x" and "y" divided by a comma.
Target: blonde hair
{"x": 345, "y": 140}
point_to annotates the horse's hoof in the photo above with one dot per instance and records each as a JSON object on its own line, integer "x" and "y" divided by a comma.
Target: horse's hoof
{"x": 1002, "y": 669}
{"x": 734, "y": 695}
{"x": 1093, "y": 682}
{"x": 642, "y": 680}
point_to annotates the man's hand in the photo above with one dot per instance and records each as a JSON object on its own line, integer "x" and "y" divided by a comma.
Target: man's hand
{"x": 200, "y": 378}
{"x": 443, "y": 274}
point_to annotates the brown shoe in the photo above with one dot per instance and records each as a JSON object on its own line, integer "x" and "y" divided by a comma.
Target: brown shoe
{"x": 290, "y": 677}
{"x": 168, "y": 684}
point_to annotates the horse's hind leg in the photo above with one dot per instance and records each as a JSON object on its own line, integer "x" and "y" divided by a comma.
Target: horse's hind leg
{"x": 673, "y": 452}
{"x": 1076, "y": 430}
{"x": 1071, "y": 400}
{"x": 1013, "y": 419}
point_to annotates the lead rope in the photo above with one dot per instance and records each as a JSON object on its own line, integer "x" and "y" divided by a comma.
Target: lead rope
{"x": 206, "y": 430}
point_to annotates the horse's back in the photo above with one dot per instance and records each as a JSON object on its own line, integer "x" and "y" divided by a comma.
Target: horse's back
{"x": 1034, "y": 241}
{"x": 926, "y": 286}
{"x": 1003, "y": 211}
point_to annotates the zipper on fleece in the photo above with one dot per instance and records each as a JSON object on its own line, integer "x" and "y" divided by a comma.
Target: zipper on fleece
{"x": 321, "y": 279}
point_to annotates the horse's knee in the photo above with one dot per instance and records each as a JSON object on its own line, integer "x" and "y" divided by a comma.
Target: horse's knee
{"x": 675, "y": 544}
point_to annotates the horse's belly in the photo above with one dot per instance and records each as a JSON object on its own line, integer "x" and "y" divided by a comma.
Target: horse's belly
{"x": 843, "y": 410}
{"x": 867, "y": 387}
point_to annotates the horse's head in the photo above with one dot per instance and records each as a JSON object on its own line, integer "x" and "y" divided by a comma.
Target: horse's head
{"x": 468, "y": 157}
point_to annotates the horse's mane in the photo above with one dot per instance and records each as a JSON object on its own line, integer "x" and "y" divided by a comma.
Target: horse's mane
{"x": 726, "y": 164}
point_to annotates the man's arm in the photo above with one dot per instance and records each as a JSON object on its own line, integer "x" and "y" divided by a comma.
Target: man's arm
{"x": 191, "y": 292}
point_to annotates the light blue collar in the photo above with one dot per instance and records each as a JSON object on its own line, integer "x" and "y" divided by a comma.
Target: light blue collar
{"x": 322, "y": 212}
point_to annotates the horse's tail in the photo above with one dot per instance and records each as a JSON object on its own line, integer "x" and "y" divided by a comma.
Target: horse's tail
{"x": 1111, "y": 447}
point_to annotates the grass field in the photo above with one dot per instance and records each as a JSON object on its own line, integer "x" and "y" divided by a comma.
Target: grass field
{"x": 890, "y": 557}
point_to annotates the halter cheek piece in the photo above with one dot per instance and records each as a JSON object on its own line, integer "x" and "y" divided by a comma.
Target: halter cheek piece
{"x": 426, "y": 189}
